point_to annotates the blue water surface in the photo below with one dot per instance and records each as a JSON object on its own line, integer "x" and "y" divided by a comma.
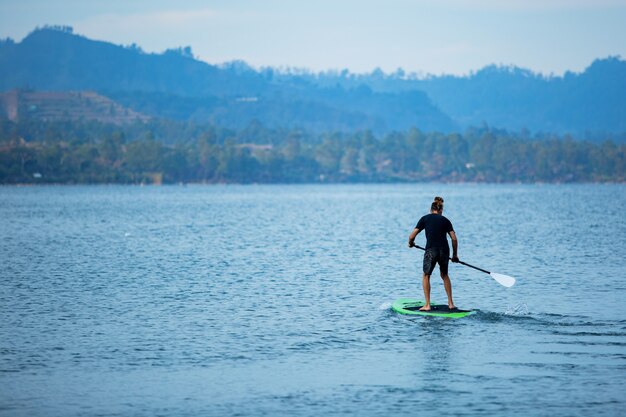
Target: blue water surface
{"x": 275, "y": 300}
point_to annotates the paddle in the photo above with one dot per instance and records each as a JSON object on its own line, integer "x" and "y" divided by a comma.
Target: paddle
{"x": 505, "y": 280}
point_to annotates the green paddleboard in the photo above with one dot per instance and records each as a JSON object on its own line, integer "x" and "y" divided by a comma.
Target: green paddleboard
{"x": 411, "y": 306}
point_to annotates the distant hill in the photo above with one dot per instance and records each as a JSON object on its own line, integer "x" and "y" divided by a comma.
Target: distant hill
{"x": 18, "y": 105}
{"x": 174, "y": 84}
{"x": 594, "y": 100}
{"x": 510, "y": 97}
{"x": 177, "y": 86}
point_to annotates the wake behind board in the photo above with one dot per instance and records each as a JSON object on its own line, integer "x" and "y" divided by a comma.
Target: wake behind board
{"x": 411, "y": 306}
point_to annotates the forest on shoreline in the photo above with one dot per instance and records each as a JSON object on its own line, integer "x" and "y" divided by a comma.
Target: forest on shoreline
{"x": 161, "y": 151}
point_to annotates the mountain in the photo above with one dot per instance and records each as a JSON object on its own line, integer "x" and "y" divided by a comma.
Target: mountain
{"x": 175, "y": 85}
{"x": 594, "y": 100}
{"x": 510, "y": 97}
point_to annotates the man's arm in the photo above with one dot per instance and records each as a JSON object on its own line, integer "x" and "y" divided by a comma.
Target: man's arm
{"x": 414, "y": 233}
{"x": 455, "y": 246}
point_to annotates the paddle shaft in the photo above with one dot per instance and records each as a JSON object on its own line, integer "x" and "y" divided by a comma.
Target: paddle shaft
{"x": 461, "y": 262}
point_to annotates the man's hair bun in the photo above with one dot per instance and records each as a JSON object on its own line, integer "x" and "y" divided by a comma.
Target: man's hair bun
{"x": 436, "y": 206}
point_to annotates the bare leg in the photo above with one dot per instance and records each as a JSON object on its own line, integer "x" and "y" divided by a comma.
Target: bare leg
{"x": 426, "y": 285}
{"x": 448, "y": 286}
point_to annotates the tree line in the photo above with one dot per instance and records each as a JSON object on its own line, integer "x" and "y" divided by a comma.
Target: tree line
{"x": 174, "y": 152}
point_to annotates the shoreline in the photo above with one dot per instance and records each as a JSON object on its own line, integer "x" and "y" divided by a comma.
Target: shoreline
{"x": 325, "y": 183}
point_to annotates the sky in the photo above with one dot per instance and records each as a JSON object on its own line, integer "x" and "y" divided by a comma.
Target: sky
{"x": 419, "y": 36}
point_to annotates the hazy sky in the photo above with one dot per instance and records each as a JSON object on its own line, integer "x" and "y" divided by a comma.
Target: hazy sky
{"x": 424, "y": 36}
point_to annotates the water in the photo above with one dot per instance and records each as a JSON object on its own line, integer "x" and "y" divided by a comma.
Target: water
{"x": 275, "y": 300}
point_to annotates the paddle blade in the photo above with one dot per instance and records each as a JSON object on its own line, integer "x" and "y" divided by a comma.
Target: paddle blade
{"x": 505, "y": 280}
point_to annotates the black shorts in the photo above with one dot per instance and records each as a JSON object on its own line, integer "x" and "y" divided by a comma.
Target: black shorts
{"x": 435, "y": 256}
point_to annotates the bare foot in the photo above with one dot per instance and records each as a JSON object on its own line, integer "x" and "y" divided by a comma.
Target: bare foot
{"x": 451, "y": 306}
{"x": 425, "y": 308}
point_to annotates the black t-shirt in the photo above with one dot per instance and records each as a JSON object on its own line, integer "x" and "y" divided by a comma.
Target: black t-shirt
{"x": 436, "y": 226}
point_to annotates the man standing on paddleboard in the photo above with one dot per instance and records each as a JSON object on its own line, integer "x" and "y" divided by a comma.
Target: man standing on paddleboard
{"x": 437, "y": 249}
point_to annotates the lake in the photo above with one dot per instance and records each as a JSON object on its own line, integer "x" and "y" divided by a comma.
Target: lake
{"x": 275, "y": 300}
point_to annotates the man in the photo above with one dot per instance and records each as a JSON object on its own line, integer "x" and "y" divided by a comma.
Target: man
{"x": 437, "y": 249}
